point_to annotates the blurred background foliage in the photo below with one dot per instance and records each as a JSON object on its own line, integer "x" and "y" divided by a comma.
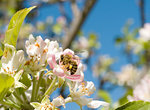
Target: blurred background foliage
{"x": 66, "y": 28}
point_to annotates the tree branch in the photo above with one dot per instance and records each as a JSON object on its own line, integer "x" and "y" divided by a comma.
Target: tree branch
{"x": 77, "y": 23}
{"x": 50, "y": 2}
{"x": 75, "y": 9}
{"x": 142, "y": 14}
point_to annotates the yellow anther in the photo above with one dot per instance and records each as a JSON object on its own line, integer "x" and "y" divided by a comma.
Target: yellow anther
{"x": 45, "y": 50}
{"x": 8, "y": 68}
{"x": 4, "y": 69}
{"x": 37, "y": 45}
{"x": 83, "y": 84}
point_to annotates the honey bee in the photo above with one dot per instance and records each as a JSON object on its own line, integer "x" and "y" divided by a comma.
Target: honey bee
{"x": 74, "y": 67}
{"x": 68, "y": 63}
{"x": 61, "y": 58}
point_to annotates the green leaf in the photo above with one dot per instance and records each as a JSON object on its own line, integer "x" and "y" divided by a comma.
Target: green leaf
{"x": 0, "y": 64}
{"x": 14, "y": 26}
{"x": 135, "y": 32}
{"x": 6, "y": 81}
{"x": 119, "y": 40}
{"x": 1, "y": 48}
{"x": 25, "y": 79}
{"x": 1, "y": 52}
{"x": 104, "y": 95}
{"x": 80, "y": 33}
{"x": 92, "y": 36}
{"x": 35, "y": 104}
{"x": 126, "y": 27}
{"x": 124, "y": 99}
{"x": 135, "y": 105}
{"x": 60, "y": 82}
{"x": 92, "y": 40}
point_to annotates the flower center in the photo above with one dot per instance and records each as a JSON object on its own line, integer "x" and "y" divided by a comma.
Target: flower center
{"x": 7, "y": 70}
{"x": 68, "y": 63}
{"x": 46, "y": 107}
{"x": 85, "y": 90}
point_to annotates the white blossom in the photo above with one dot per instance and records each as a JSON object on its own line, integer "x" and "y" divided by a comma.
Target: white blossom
{"x": 145, "y": 32}
{"x": 142, "y": 90}
{"x": 37, "y": 51}
{"x": 54, "y": 49}
{"x": 47, "y": 105}
{"x": 68, "y": 66}
{"x": 128, "y": 75}
{"x": 79, "y": 91}
{"x": 104, "y": 62}
{"x": 12, "y": 62}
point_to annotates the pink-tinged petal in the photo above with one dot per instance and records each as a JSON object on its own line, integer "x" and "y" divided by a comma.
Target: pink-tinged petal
{"x": 41, "y": 42}
{"x": 59, "y": 72}
{"x": 52, "y": 61}
{"x": 68, "y": 51}
{"x": 73, "y": 77}
{"x": 97, "y": 103}
{"x": 80, "y": 72}
{"x": 82, "y": 76}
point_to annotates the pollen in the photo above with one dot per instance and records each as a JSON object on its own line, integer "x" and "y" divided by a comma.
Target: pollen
{"x": 37, "y": 45}
{"x": 45, "y": 50}
{"x": 70, "y": 66}
{"x": 61, "y": 97}
{"x": 8, "y": 68}
{"x": 85, "y": 90}
{"x": 4, "y": 69}
{"x": 51, "y": 104}
{"x": 83, "y": 84}
{"x": 27, "y": 63}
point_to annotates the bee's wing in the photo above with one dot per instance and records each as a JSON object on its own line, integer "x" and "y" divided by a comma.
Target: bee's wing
{"x": 82, "y": 54}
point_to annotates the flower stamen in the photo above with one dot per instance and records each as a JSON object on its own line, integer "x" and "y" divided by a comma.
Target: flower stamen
{"x": 37, "y": 45}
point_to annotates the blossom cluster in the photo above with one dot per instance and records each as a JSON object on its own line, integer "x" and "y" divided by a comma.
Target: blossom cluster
{"x": 142, "y": 90}
{"x": 141, "y": 43}
{"x": 47, "y": 60}
{"x": 136, "y": 78}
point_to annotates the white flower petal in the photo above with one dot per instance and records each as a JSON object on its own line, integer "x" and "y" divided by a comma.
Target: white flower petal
{"x": 82, "y": 101}
{"x": 19, "y": 84}
{"x": 36, "y": 49}
{"x": 18, "y": 75}
{"x": 59, "y": 101}
{"x": 96, "y": 104}
{"x": 31, "y": 38}
{"x": 11, "y": 60}
{"x": 68, "y": 51}
{"x": 59, "y": 71}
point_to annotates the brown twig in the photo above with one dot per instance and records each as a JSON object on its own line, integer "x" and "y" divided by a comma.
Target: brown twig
{"x": 77, "y": 23}
{"x": 142, "y": 14}
{"x": 50, "y": 2}
{"x": 75, "y": 9}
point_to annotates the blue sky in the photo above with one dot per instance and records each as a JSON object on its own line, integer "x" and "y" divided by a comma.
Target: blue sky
{"x": 106, "y": 20}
